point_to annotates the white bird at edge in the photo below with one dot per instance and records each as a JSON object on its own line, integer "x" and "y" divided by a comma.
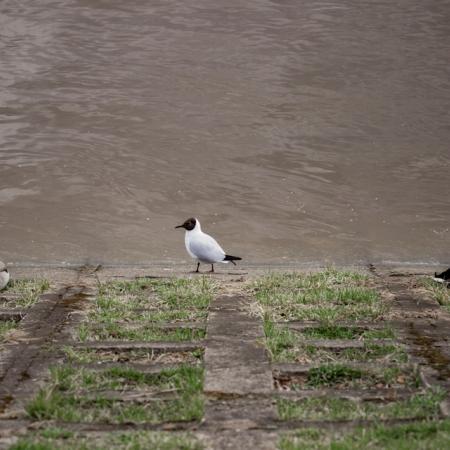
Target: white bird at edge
{"x": 4, "y": 275}
{"x": 202, "y": 247}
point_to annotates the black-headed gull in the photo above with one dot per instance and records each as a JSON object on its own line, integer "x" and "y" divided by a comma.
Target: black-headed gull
{"x": 443, "y": 277}
{"x": 4, "y": 276}
{"x": 202, "y": 247}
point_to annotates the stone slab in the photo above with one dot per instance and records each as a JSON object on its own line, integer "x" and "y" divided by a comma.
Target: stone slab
{"x": 236, "y": 362}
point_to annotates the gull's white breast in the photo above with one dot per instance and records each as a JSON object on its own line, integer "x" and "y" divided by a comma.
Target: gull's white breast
{"x": 203, "y": 247}
{"x": 4, "y": 278}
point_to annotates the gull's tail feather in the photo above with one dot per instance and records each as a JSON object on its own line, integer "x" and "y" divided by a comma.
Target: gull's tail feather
{"x": 232, "y": 258}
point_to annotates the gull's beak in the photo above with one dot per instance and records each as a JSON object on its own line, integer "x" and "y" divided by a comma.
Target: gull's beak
{"x": 179, "y": 226}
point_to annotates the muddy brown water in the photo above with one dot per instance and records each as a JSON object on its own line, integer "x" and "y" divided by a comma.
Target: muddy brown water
{"x": 295, "y": 130}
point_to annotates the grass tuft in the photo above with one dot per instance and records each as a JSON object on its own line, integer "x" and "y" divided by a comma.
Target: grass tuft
{"x": 167, "y": 294}
{"x": 144, "y": 333}
{"x": 286, "y": 345}
{"x": 330, "y": 331}
{"x": 326, "y": 296}
{"x": 328, "y": 375}
{"x": 440, "y": 292}
{"x": 60, "y": 439}
{"x": 66, "y": 396}
{"x": 147, "y": 301}
{"x": 422, "y": 405}
{"x": 433, "y": 435}
{"x": 5, "y": 328}
{"x": 345, "y": 376}
{"x": 87, "y": 355}
{"x": 28, "y": 291}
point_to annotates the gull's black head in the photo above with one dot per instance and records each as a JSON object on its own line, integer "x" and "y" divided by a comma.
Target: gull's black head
{"x": 188, "y": 224}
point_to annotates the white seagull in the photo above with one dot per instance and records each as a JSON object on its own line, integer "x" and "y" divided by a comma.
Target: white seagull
{"x": 4, "y": 276}
{"x": 202, "y": 247}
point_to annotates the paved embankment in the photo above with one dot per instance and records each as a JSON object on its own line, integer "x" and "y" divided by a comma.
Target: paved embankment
{"x": 214, "y": 361}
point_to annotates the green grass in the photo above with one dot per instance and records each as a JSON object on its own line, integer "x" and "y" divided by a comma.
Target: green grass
{"x": 148, "y": 301}
{"x": 285, "y": 345}
{"x": 423, "y": 405}
{"x": 369, "y": 353}
{"x": 386, "y": 353}
{"x": 69, "y": 408}
{"x": 328, "y": 375}
{"x": 341, "y": 375}
{"x": 433, "y": 435}
{"x": 85, "y": 356}
{"x": 438, "y": 291}
{"x": 340, "y": 332}
{"x": 163, "y": 300}
{"x": 282, "y": 343}
{"x": 326, "y": 296}
{"x": 167, "y": 295}
{"x": 174, "y": 315}
{"x": 120, "y": 378}
{"x": 6, "y": 327}
{"x": 60, "y": 439}
{"x": 113, "y": 331}
{"x": 75, "y": 395}
{"x": 28, "y": 291}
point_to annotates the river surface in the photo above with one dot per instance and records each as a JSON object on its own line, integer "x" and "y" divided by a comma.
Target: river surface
{"x": 295, "y": 130}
